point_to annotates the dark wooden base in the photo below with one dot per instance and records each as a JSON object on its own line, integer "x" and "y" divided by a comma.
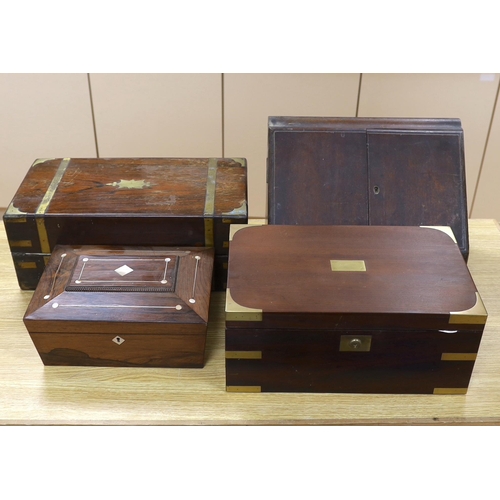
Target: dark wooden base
{"x": 153, "y": 351}
{"x": 399, "y": 362}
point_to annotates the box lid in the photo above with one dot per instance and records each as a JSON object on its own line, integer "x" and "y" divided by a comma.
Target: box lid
{"x": 148, "y": 186}
{"x": 341, "y": 277}
{"x": 368, "y": 171}
{"x": 92, "y": 289}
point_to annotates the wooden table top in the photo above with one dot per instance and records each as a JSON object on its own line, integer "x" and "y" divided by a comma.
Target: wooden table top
{"x": 31, "y": 393}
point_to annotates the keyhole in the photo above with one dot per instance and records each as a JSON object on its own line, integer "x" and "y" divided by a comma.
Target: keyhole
{"x": 376, "y": 189}
{"x": 355, "y": 343}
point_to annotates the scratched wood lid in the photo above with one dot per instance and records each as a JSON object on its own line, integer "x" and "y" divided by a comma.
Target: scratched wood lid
{"x": 370, "y": 274}
{"x": 163, "y": 186}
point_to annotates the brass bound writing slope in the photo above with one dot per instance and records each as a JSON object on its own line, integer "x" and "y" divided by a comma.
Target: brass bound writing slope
{"x": 371, "y": 309}
{"x": 125, "y": 201}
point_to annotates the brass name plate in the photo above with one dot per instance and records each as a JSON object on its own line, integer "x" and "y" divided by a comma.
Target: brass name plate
{"x": 348, "y": 265}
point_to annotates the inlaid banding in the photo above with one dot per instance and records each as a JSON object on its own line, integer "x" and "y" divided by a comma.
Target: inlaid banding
{"x": 54, "y": 279}
{"x": 124, "y": 274}
{"x": 192, "y": 300}
{"x": 164, "y": 280}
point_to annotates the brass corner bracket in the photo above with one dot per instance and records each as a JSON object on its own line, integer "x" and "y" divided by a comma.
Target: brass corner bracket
{"x": 234, "y": 228}
{"x": 476, "y": 315}
{"x": 444, "y": 229}
{"x": 241, "y": 161}
{"x": 237, "y": 312}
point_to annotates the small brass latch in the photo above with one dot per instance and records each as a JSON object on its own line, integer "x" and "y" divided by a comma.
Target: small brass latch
{"x": 360, "y": 343}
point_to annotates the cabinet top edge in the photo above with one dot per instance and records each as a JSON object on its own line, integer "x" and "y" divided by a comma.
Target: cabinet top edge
{"x": 351, "y": 123}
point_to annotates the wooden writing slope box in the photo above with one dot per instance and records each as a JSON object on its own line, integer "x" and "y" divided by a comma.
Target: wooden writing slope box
{"x": 360, "y": 309}
{"x": 97, "y": 306}
{"x": 125, "y": 201}
{"x": 368, "y": 171}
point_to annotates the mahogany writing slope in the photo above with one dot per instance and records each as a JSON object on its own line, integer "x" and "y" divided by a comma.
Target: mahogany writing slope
{"x": 368, "y": 309}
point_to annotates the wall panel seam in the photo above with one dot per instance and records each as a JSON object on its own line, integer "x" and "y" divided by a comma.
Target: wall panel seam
{"x": 478, "y": 179}
{"x": 359, "y": 93}
{"x": 93, "y": 115}
{"x": 222, "y": 114}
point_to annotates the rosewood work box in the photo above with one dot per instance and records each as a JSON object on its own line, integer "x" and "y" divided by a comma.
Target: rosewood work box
{"x": 125, "y": 201}
{"x": 350, "y": 309}
{"x": 368, "y": 171}
{"x": 105, "y": 306}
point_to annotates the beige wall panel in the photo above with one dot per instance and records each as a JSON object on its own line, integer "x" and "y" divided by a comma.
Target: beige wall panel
{"x": 249, "y": 99}
{"x": 487, "y": 200}
{"x": 170, "y": 115}
{"x": 469, "y": 97}
{"x": 42, "y": 116}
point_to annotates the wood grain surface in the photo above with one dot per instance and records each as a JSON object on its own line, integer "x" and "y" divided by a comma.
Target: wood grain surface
{"x": 33, "y": 394}
{"x": 124, "y": 201}
{"x": 368, "y": 171}
{"x": 286, "y": 269}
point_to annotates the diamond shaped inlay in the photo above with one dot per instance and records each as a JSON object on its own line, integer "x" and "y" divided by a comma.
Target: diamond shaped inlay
{"x": 123, "y": 270}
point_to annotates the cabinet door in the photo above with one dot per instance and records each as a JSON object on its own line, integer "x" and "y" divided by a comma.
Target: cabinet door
{"x": 249, "y": 99}
{"x": 418, "y": 179}
{"x": 469, "y": 97}
{"x": 318, "y": 178}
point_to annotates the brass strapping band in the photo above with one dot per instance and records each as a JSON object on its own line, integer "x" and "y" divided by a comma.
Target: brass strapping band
{"x": 450, "y": 390}
{"x": 42, "y": 208}
{"x": 16, "y": 220}
{"x": 458, "y": 356}
{"x": 209, "y": 210}
{"x": 44, "y": 205}
{"x": 243, "y": 354}
{"x": 26, "y": 265}
{"x": 21, "y": 243}
{"x": 42, "y": 235}
{"x": 243, "y": 388}
{"x": 209, "y": 232}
